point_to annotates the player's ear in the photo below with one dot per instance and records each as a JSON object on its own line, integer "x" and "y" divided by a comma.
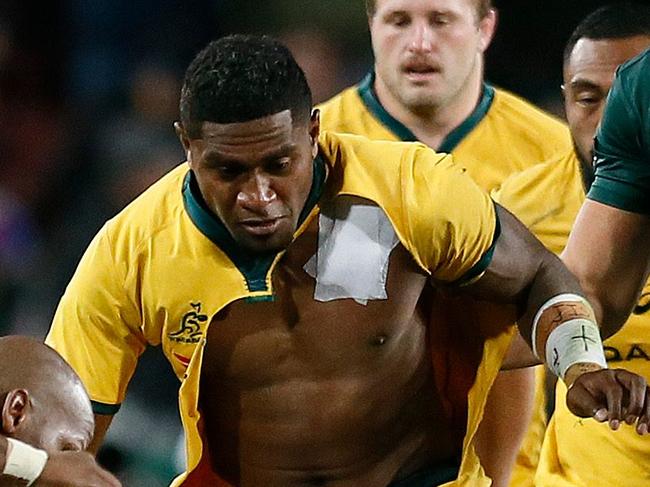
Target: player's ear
{"x": 314, "y": 131}
{"x": 487, "y": 27}
{"x": 14, "y": 410}
{"x": 185, "y": 140}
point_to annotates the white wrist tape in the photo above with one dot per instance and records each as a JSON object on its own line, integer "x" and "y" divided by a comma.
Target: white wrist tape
{"x": 565, "y": 328}
{"x": 23, "y": 461}
{"x": 573, "y": 342}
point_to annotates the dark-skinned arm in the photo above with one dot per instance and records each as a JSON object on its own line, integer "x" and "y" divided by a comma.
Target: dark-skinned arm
{"x": 524, "y": 273}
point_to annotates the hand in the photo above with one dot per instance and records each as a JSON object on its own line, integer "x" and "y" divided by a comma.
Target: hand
{"x": 74, "y": 469}
{"x": 611, "y": 395}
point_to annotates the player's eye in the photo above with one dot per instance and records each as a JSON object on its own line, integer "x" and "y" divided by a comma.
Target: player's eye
{"x": 588, "y": 98}
{"x": 279, "y": 165}
{"x": 398, "y": 20}
{"x": 229, "y": 171}
{"x": 588, "y": 101}
{"x": 70, "y": 446}
{"x": 440, "y": 20}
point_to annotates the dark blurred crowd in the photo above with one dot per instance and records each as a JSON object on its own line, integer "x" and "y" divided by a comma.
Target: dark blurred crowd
{"x": 88, "y": 94}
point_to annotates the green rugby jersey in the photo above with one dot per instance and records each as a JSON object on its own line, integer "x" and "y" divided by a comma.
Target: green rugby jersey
{"x": 623, "y": 141}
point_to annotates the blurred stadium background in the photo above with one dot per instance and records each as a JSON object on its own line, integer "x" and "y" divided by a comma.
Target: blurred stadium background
{"x": 88, "y": 95}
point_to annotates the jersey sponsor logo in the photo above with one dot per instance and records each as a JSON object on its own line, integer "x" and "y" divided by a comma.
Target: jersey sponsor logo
{"x": 635, "y": 351}
{"x": 191, "y": 326}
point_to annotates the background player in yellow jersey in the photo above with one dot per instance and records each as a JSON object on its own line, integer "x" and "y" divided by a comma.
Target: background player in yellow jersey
{"x": 304, "y": 357}
{"x": 46, "y": 420}
{"x": 575, "y": 452}
{"x": 427, "y": 85}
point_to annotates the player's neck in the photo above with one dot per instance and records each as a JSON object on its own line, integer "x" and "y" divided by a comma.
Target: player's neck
{"x": 432, "y": 125}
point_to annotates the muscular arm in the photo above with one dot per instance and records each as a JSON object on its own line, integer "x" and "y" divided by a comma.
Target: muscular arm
{"x": 609, "y": 251}
{"x": 522, "y": 272}
{"x": 519, "y": 355}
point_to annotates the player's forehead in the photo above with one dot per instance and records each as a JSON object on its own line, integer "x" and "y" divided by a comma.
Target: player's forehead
{"x": 277, "y": 125}
{"x": 262, "y": 137}
{"x": 596, "y": 60}
{"x": 71, "y": 427}
{"x": 384, "y": 7}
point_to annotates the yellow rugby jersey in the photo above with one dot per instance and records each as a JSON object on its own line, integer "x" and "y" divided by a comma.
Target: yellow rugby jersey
{"x": 158, "y": 271}
{"x": 581, "y": 452}
{"x": 504, "y": 135}
{"x": 546, "y": 198}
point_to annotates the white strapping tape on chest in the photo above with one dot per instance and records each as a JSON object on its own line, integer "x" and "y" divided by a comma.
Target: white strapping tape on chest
{"x": 355, "y": 239}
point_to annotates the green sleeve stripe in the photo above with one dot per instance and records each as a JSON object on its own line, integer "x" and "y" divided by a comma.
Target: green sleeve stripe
{"x": 619, "y": 195}
{"x": 107, "y": 409}
{"x": 483, "y": 263}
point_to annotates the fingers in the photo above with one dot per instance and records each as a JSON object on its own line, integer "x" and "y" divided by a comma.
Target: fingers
{"x": 643, "y": 424}
{"x": 612, "y": 395}
{"x": 597, "y": 394}
{"x": 636, "y": 389}
{"x": 582, "y": 402}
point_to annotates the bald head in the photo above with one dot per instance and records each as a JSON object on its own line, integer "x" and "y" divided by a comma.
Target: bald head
{"x": 44, "y": 402}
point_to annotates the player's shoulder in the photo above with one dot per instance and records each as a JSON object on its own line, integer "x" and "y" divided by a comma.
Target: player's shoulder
{"x": 551, "y": 187}
{"x": 341, "y": 101}
{"x": 345, "y": 112}
{"x": 357, "y": 150}
{"x": 555, "y": 172}
{"x": 382, "y": 170}
{"x": 519, "y": 112}
{"x": 636, "y": 66}
{"x": 155, "y": 208}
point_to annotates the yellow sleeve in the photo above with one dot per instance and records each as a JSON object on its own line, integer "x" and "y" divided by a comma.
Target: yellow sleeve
{"x": 452, "y": 223}
{"x": 96, "y": 326}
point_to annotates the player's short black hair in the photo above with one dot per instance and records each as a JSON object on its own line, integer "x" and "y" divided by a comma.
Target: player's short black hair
{"x": 482, "y": 7}
{"x": 612, "y": 21}
{"x": 239, "y": 78}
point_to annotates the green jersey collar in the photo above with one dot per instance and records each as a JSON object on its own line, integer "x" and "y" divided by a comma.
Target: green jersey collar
{"x": 366, "y": 90}
{"x": 253, "y": 266}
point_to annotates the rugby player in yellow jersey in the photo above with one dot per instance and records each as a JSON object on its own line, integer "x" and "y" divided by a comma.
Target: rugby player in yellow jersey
{"x": 576, "y": 452}
{"x": 427, "y": 85}
{"x": 45, "y": 419}
{"x": 282, "y": 269}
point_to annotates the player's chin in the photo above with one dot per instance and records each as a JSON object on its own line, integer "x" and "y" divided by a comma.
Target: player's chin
{"x": 420, "y": 97}
{"x": 268, "y": 243}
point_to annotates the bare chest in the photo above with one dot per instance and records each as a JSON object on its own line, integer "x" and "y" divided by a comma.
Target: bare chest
{"x": 253, "y": 344}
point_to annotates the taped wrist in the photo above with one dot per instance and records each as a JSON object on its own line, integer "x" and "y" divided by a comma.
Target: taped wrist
{"x": 24, "y": 461}
{"x": 565, "y": 329}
